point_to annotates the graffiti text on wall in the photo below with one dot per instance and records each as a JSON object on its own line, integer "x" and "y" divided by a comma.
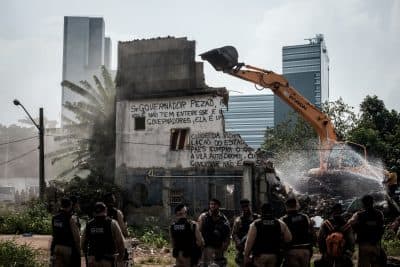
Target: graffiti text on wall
{"x": 219, "y": 150}
{"x": 191, "y": 111}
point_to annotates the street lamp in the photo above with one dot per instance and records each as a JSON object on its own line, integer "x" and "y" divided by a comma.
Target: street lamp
{"x": 40, "y": 127}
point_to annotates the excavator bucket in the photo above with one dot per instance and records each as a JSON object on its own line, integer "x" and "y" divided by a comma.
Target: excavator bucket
{"x": 224, "y": 58}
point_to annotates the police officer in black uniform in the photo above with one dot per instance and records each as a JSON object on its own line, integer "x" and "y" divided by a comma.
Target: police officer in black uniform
{"x": 66, "y": 241}
{"x": 266, "y": 238}
{"x": 300, "y": 248}
{"x": 369, "y": 227}
{"x": 102, "y": 239}
{"x": 216, "y": 231}
{"x": 114, "y": 213}
{"x": 241, "y": 227}
{"x": 186, "y": 239}
{"x": 76, "y": 257}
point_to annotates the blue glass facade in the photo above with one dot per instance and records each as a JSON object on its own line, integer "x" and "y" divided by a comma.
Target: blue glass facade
{"x": 249, "y": 116}
{"x": 307, "y": 69}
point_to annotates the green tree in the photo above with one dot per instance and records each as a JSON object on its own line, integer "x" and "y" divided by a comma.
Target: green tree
{"x": 89, "y": 190}
{"x": 292, "y": 134}
{"x": 89, "y": 138}
{"x": 295, "y": 136}
{"x": 295, "y": 133}
{"x": 292, "y": 137}
{"x": 379, "y": 130}
{"x": 342, "y": 115}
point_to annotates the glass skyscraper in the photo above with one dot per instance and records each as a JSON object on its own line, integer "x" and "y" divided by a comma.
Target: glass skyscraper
{"x": 249, "y": 116}
{"x": 306, "y": 67}
{"x": 85, "y": 50}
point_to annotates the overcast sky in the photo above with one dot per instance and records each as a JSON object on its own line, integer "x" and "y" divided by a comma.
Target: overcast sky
{"x": 362, "y": 37}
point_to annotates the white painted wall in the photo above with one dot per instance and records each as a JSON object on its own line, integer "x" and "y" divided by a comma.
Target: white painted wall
{"x": 150, "y": 148}
{"x": 207, "y": 145}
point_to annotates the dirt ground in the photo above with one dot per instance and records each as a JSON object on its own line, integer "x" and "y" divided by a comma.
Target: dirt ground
{"x": 142, "y": 256}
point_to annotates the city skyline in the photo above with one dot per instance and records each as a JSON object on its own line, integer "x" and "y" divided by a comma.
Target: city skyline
{"x": 362, "y": 37}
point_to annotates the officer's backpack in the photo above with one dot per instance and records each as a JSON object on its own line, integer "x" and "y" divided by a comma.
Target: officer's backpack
{"x": 335, "y": 240}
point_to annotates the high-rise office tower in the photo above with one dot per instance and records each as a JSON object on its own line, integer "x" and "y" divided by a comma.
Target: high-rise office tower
{"x": 85, "y": 50}
{"x": 306, "y": 67}
{"x": 249, "y": 116}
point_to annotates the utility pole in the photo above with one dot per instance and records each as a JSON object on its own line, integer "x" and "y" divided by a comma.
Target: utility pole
{"x": 42, "y": 183}
{"x": 40, "y": 127}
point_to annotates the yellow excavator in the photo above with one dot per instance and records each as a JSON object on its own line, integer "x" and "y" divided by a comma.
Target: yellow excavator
{"x": 359, "y": 173}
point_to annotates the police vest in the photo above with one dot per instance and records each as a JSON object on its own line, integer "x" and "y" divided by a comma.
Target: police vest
{"x": 299, "y": 227}
{"x": 112, "y": 213}
{"x": 245, "y": 222}
{"x": 62, "y": 234}
{"x": 370, "y": 227}
{"x": 268, "y": 237}
{"x": 215, "y": 232}
{"x": 183, "y": 236}
{"x": 100, "y": 239}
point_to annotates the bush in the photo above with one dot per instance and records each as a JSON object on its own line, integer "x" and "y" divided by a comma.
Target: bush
{"x": 89, "y": 190}
{"x": 33, "y": 218}
{"x": 151, "y": 235}
{"x": 12, "y": 254}
{"x": 154, "y": 239}
{"x": 231, "y": 255}
{"x": 391, "y": 243}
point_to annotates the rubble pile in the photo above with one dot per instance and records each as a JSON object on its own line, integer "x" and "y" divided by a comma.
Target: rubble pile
{"x": 339, "y": 184}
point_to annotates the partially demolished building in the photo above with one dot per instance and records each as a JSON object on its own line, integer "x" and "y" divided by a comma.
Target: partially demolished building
{"x": 171, "y": 144}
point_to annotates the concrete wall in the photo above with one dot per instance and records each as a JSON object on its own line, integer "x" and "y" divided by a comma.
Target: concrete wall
{"x": 210, "y": 165}
{"x": 147, "y": 67}
{"x": 161, "y": 94}
{"x": 150, "y": 148}
{"x": 192, "y": 187}
{"x": 206, "y": 143}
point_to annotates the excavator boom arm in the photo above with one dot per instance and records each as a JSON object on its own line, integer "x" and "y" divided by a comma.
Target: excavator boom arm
{"x": 280, "y": 87}
{"x": 225, "y": 59}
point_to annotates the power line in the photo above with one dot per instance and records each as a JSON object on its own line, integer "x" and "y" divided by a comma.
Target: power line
{"x": 67, "y": 136}
{"x": 18, "y": 140}
{"x": 18, "y": 157}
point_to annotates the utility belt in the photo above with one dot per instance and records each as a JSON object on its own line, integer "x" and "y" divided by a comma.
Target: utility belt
{"x": 63, "y": 243}
{"x": 300, "y": 246}
{"x": 258, "y": 253}
{"x": 63, "y": 247}
{"x": 107, "y": 257}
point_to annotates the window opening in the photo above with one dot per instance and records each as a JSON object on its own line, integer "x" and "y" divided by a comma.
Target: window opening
{"x": 140, "y": 123}
{"x": 178, "y": 138}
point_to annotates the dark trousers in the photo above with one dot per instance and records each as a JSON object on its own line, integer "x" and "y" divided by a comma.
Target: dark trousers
{"x": 76, "y": 258}
{"x": 325, "y": 261}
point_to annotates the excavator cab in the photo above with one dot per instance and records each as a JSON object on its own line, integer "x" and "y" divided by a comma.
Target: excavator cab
{"x": 222, "y": 59}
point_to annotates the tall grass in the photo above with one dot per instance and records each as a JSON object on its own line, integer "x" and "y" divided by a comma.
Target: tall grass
{"x": 12, "y": 254}
{"x": 32, "y": 218}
